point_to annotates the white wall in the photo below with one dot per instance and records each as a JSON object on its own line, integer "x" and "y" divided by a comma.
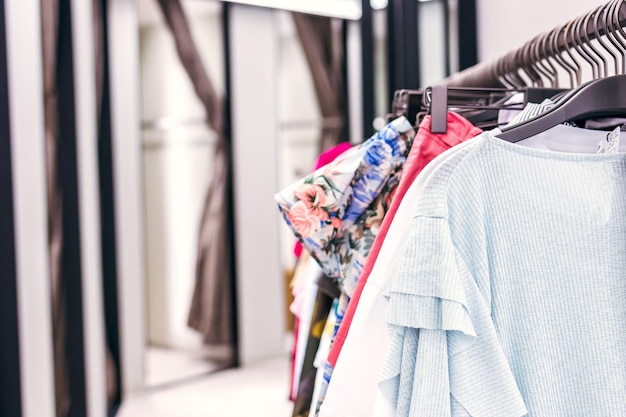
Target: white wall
{"x": 126, "y": 143}
{"x": 24, "y": 62}
{"x": 260, "y": 290}
{"x": 89, "y": 208}
{"x": 504, "y": 25}
{"x": 432, "y": 42}
{"x": 498, "y": 35}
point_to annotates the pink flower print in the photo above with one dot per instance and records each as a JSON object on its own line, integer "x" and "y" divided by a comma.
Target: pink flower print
{"x": 314, "y": 197}
{"x": 336, "y": 222}
{"x": 303, "y": 219}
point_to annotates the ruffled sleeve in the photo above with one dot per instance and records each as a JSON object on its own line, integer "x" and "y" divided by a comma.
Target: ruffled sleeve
{"x": 444, "y": 357}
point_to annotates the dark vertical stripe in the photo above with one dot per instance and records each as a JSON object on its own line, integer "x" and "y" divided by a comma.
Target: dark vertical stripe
{"x": 230, "y": 204}
{"x": 367, "y": 71}
{"x": 344, "y": 79}
{"x": 411, "y": 36}
{"x": 393, "y": 61}
{"x": 403, "y": 44}
{"x": 107, "y": 216}
{"x": 10, "y": 390}
{"x": 71, "y": 271}
{"x": 446, "y": 26}
{"x": 468, "y": 45}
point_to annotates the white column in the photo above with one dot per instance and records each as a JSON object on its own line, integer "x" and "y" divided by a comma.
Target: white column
{"x": 89, "y": 207}
{"x": 23, "y": 26}
{"x": 125, "y": 121}
{"x": 355, "y": 81}
{"x": 253, "y": 49}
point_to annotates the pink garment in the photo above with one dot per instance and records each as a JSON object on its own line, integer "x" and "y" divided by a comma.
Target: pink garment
{"x": 293, "y": 383}
{"x": 325, "y": 158}
{"x": 426, "y": 147}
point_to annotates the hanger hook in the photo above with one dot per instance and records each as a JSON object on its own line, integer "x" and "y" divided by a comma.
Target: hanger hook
{"x": 501, "y": 73}
{"x": 544, "y": 57}
{"x": 609, "y": 31}
{"x": 618, "y": 31}
{"x": 529, "y": 65}
{"x": 596, "y": 14}
{"x": 496, "y": 72}
{"x": 511, "y": 70}
{"x": 553, "y": 44}
{"x": 518, "y": 67}
{"x": 572, "y": 69}
{"x": 568, "y": 50}
{"x": 601, "y": 22}
{"x": 590, "y": 46}
{"x": 587, "y": 43}
{"x": 579, "y": 45}
{"x": 535, "y": 61}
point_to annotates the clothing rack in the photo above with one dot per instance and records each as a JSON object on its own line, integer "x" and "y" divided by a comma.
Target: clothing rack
{"x": 459, "y": 109}
{"x": 538, "y": 56}
{"x": 595, "y": 38}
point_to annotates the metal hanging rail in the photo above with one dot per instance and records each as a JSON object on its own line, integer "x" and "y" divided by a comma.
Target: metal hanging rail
{"x": 537, "y": 58}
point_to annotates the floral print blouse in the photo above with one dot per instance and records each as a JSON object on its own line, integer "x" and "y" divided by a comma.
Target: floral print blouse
{"x": 336, "y": 211}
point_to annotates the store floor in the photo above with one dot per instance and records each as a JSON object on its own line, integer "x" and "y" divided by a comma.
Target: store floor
{"x": 168, "y": 366}
{"x": 259, "y": 390}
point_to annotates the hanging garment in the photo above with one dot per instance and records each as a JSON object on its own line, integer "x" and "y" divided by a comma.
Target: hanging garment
{"x": 353, "y": 387}
{"x": 303, "y": 311}
{"x": 336, "y": 211}
{"x": 327, "y": 292}
{"x": 509, "y": 296}
{"x": 303, "y": 288}
{"x": 320, "y": 359}
{"x": 426, "y": 147}
{"x": 324, "y": 159}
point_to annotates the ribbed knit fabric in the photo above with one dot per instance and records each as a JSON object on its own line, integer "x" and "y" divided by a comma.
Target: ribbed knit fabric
{"x": 515, "y": 269}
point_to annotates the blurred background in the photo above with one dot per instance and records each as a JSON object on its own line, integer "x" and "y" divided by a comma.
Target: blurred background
{"x": 144, "y": 267}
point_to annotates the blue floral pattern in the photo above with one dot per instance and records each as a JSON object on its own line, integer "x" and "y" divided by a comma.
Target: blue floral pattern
{"x": 336, "y": 211}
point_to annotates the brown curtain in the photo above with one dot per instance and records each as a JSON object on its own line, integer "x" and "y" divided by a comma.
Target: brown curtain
{"x": 112, "y": 370}
{"x": 49, "y": 24}
{"x": 212, "y": 311}
{"x": 325, "y": 57}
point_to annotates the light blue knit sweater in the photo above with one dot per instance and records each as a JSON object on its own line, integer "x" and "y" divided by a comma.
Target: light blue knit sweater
{"x": 511, "y": 298}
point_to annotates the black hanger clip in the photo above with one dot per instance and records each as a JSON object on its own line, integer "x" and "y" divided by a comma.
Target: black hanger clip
{"x": 439, "y": 109}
